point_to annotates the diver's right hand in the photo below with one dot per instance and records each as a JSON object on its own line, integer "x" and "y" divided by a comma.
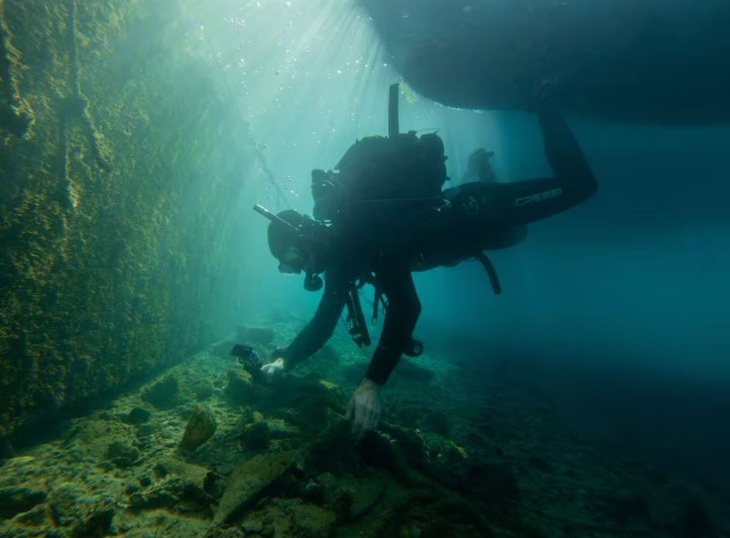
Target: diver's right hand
{"x": 274, "y": 368}
{"x": 364, "y": 408}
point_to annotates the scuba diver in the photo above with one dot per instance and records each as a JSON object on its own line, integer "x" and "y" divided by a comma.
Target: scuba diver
{"x": 380, "y": 235}
{"x": 479, "y": 167}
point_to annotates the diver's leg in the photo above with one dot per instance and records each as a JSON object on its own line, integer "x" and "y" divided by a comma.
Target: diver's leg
{"x": 564, "y": 154}
{"x": 522, "y": 202}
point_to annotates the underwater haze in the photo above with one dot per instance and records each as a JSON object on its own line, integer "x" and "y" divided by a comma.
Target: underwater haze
{"x": 591, "y": 397}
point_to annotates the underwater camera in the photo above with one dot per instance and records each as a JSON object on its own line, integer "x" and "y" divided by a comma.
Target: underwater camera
{"x": 248, "y": 358}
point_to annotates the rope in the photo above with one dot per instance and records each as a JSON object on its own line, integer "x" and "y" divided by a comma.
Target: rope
{"x": 281, "y": 195}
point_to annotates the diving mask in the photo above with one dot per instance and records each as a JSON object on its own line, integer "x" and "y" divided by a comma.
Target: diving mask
{"x": 293, "y": 261}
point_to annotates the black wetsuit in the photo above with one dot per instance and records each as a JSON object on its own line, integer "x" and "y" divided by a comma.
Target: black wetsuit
{"x": 465, "y": 221}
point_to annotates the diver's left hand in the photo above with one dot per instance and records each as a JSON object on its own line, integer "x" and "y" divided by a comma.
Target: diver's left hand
{"x": 364, "y": 407}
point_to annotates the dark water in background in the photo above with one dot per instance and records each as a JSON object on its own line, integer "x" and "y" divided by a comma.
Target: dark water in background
{"x": 619, "y": 309}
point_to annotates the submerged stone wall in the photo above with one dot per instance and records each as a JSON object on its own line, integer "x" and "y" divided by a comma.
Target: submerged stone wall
{"x": 121, "y": 160}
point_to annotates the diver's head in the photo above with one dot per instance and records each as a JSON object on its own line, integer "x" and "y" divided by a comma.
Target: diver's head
{"x": 290, "y": 242}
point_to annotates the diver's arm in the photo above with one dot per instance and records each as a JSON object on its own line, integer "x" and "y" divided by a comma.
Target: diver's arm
{"x": 395, "y": 279}
{"x": 322, "y": 325}
{"x": 526, "y": 201}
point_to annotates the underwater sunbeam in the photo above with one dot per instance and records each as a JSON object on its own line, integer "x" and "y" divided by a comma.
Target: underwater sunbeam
{"x": 294, "y": 61}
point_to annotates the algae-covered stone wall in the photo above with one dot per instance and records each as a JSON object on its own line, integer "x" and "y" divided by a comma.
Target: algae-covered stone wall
{"x": 121, "y": 160}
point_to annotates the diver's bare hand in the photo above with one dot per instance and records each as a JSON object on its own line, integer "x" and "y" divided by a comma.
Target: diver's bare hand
{"x": 273, "y": 369}
{"x": 364, "y": 408}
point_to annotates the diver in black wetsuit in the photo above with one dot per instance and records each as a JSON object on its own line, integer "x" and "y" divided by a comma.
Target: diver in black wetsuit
{"x": 465, "y": 221}
{"x": 479, "y": 167}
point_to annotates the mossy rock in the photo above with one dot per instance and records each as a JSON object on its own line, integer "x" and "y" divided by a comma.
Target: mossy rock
{"x": 200, "y": 428}
{"x": 94, "y": 436}
{"x": 177, "y": 482}
{"x": 256, "y": 436}
{"x": 162, "y": 394}
{"x": 138, "y": 415}
{"x": 240, "y": 388}
{"x": 15, "y": 500}
{"x": 248, "y": 482}
{"x": 310, "y": 521}
{"x": 99, "y": 523}
{"x": 122, "y": 454}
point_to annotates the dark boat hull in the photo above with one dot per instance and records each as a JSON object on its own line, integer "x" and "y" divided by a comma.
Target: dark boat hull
{"x": 656, "y": 61}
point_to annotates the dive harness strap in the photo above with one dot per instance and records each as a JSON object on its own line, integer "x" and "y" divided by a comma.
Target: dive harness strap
{"x": 491, "y": 272}
{"x": 356, "y": 326}
{"x": 355, "y": 321}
